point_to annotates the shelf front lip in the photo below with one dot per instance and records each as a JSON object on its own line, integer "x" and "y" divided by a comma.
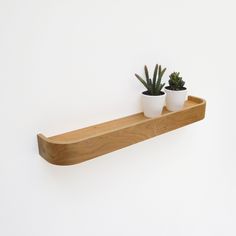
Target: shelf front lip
{"x": 69, "y": 153}
{"x": 201, "y": 103}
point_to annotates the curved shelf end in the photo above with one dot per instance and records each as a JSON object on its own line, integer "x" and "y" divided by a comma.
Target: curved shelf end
{"x": 50, "y": 150}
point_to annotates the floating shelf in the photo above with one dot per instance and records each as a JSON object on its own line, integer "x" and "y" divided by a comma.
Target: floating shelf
{"x": 87, "y": 143}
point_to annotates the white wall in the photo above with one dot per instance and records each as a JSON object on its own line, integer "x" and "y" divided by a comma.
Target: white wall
{"x": 68, "y": 64}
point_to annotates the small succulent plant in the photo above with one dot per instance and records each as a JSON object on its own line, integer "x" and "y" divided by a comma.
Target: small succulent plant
{"x": 176, "y": 82}
{"x": 154, "y": 85}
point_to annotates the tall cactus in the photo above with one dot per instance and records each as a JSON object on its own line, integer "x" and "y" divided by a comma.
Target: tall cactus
{"x": 154, "y": 85}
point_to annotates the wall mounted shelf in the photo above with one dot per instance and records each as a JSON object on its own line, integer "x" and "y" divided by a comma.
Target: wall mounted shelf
{"x": 87, "y": 143}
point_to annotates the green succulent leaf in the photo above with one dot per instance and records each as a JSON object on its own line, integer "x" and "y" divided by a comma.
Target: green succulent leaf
{"x": 142, "y": 81}
{"x": 155, "y": 74}
{"x": 150, "y": 85}
{"x": 162, "y": 72}
{"x": 153, "y": 85}
{"x": 161, "y": 87}
{"x": 146, "y": 72}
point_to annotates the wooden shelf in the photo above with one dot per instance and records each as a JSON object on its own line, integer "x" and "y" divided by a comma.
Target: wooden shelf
{"x": 87, "y": 143}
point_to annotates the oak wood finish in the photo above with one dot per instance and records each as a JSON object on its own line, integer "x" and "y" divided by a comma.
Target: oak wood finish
{"x": 87, "y": 143}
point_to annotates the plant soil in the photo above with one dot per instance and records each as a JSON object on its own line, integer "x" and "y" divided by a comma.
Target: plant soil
{"x": 146, "y": 93}
{"x": 169, "y": 88}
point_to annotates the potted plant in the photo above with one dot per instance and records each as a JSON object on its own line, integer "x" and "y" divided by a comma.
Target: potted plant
{"x": 153, "y": 99}
{"x": 175, "y": 92}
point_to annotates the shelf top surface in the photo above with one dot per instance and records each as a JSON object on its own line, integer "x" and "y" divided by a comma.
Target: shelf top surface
{"x": 99, "y": 129}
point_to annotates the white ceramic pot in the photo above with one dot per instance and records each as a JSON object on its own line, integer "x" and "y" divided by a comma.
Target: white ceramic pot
{"x": 175, "y": 99}
{"x": 153, "y": 105}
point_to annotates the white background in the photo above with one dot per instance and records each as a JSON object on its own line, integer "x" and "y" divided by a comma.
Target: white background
{"x": 69, "y": 64}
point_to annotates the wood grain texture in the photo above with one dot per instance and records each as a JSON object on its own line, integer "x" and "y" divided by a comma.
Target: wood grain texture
{"x": 87, "y": 143}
